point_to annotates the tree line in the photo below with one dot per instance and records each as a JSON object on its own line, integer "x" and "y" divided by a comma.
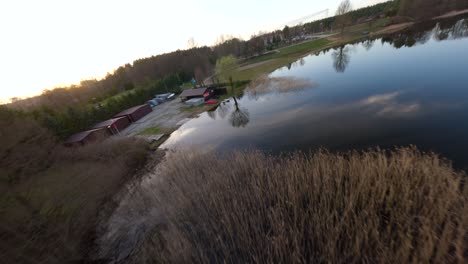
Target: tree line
{"x": 419, "y": 9}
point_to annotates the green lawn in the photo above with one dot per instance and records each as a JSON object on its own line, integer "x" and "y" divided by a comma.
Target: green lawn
{"x": 187, "y": 85}
{"x": 302, "y": 48}
{"x": 291, "y": 50}
{"x": 151, "y": 131}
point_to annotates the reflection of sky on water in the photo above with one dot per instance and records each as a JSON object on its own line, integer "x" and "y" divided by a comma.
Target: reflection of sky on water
{"x": 411, "y": 90}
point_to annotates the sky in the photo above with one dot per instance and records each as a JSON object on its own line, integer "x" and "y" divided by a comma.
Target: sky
{"x": 50, "y": 43}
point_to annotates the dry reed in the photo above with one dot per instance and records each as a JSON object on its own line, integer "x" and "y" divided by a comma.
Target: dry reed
{"x": 402, "y": 206}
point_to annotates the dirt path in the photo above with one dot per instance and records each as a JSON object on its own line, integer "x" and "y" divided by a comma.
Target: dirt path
{"x": 253, "y": 65}
{"x": 452, "y": 14}
{"x": 393, "y": 28}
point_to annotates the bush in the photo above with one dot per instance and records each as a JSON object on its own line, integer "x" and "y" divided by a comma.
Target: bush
{"x": 249, "y": 207}
{"x": 52, "y": 195}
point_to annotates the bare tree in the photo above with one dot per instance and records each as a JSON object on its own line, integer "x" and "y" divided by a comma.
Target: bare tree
{"x": 342, "y": 14}
{"x": 14, "y": 99}
{"x": 191, "y": 43}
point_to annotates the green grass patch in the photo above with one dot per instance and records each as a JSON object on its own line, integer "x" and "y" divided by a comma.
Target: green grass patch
{"x": 302, "y": 48}
{"x": 187, "y": 85}
{"x": 197, "y": 109}
{"x": 155, "y": 144}
{"x": 151, "y": 131}
{"x": 283, "y": 57}
{"x": 296, "y": 49}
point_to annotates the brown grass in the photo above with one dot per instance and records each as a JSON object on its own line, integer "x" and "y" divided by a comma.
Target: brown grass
{"x": 52, "y": 196}
{"x": 372, "y": 207}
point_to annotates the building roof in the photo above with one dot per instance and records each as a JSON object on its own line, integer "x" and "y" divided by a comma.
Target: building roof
{"x": 108, "y": 123}
{"x": 130, "y": 110}
{"x": 80, "y": 136}
{"x": 193, "y": 92}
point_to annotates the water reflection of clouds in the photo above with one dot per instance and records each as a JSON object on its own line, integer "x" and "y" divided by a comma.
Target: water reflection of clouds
{"x": 387, "y": 105}
{"x": 349, "y": 108}
{"x": 179, "y": 134}
{"x": 274, "y": 85}
{"x": 379, "y": 105}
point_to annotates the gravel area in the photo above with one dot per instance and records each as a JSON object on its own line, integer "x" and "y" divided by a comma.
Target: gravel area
{"x": 167, "y": 116}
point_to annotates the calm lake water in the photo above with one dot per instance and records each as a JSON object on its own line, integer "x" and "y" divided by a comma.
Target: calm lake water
{"x": 410, "y": 88}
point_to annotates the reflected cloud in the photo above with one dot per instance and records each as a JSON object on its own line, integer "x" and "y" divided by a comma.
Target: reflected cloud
{"x": 388, "y": 105}
{"x": 265, "y": 84}
{"x": 380, "y": 99}
{"x": 400, "y": 109}
{"x": 177, "y": 135}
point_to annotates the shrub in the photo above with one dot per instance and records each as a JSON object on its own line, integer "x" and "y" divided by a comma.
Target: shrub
{"x": 51, "y": 195}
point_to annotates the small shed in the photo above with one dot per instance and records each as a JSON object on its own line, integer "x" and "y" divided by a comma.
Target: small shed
{"x": 87, "y": 136}
{"x": 114, "y": 125}
{"x": 196, "y": 93}
{"x": 136, "y": 112}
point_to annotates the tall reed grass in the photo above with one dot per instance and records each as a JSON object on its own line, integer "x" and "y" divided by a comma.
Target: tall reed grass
{"x": 400, "y": 206}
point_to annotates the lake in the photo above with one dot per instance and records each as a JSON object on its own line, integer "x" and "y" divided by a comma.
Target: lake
{"x": 406, "y": 89}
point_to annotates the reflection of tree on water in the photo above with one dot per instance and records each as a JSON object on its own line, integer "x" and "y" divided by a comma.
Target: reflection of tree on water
{"x": 302, "y": 62}
{"x": 341, "y": 58}
{"x": 458, "y": 30}
{"x": 420, "y": 34}
{"x": 239, "y": 117}
{"x": 368, "y": 44}
{"x": 223, "y": 110}
{"x": 212, "y": 114}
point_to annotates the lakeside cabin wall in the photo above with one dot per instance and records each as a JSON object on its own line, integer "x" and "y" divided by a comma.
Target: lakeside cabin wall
{"x": 88, "y": 136}
{"x": 204, "y": 93}
{"x": 114, "y": 125}
{"x": 135, "y": 113}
